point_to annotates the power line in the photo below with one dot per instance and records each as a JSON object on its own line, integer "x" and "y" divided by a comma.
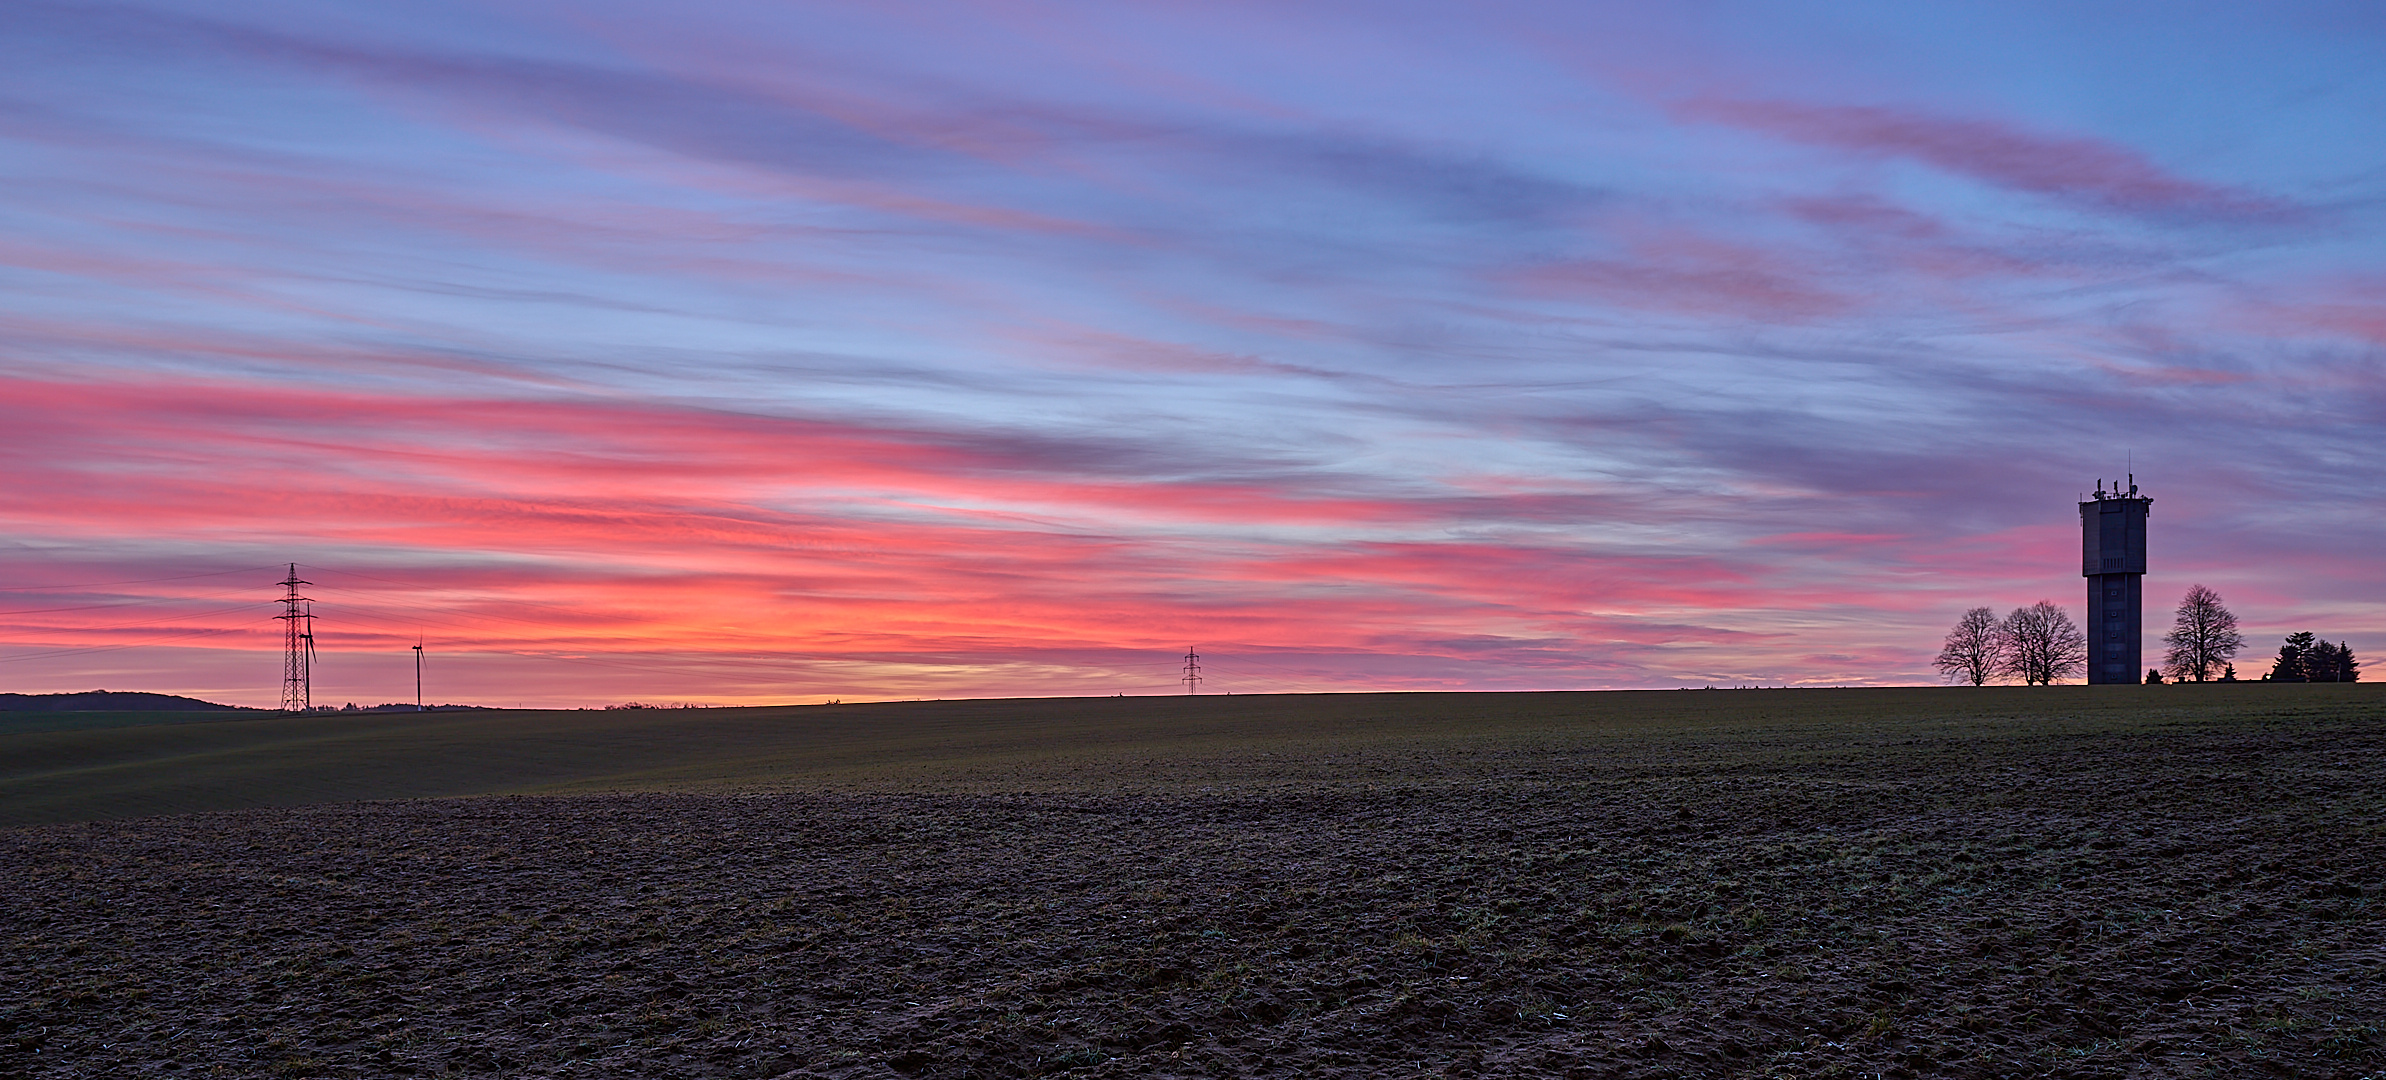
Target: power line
{"x": 1192, "y": 679}
{"x": 428, "y": 607}
{"x": 1291, "y": 681}
{"x": 1236, "y": 678}
{"x": 204, "y": 595}
{"x": 476, "y": 622}
{"x": 137, "y": 581}
{"x": 471, "y": 622}
{"x": 72, "y": 650}
{"x": 773, "y": 661}
{"x": 711, "y": 659}
{"x": 1245, "y": 658}
{"x": 145, "y": 622}
{"x": 128, "y": 645}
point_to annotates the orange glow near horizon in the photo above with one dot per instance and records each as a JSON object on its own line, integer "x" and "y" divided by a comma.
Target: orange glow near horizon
{"x": 792, "y": 560}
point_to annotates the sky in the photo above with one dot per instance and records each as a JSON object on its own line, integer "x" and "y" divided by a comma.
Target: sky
{"x": 743, "y": 353}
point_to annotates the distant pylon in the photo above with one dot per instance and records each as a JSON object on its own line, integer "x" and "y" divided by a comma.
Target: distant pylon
{"x": 298, "y": 645}
{"x": 1192, "y": 679}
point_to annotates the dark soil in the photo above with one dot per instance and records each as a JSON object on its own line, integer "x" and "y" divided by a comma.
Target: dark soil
{"x": 2144, "y": 903}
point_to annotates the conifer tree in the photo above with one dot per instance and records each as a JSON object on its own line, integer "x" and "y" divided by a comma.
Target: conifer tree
{"x": 2294, "y": 658}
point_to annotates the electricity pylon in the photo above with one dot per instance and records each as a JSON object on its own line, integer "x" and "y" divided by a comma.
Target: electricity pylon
{"x": 298, "y": 645}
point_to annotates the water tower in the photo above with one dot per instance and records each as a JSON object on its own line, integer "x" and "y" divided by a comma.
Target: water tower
{"x": 2113, "y": 557}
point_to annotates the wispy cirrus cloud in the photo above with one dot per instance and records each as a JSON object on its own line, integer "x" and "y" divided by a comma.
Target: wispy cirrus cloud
{"x": 2078, "y": 169}
{"x": 1700, "y": 275}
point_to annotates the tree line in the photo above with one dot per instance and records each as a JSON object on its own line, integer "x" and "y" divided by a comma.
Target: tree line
{"x": 2305, "y": 658}
{"x": 2040, "y": 645}
{"x": 2037, "y": 644}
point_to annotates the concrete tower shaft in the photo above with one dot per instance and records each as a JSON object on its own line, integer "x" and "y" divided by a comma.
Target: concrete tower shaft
{"x": 2113, "y": 559}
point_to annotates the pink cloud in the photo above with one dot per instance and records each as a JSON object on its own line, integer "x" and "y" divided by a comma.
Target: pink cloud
{"x": 1834, "y": 541}
{"x": 483, "y": 451}
{"x": 1528, "y": 578}
{"x": 1870, "y": 214}
{"x": 2346, "y": 305}
{"x": 2069, "y": 167}
{"x": 1683, "y": 271}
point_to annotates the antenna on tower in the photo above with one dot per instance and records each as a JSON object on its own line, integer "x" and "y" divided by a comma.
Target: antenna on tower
{"x": 1192, "y": 679}
{"x": 298, "y": 645}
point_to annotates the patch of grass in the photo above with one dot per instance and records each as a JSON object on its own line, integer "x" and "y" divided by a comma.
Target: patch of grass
{"x": 1250, "y": 744}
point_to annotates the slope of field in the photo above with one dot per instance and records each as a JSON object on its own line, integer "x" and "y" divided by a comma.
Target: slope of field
{"x": 115, "y": 768}
{"x": 25, "y": 723}
{"x": 2156, "y": 882}
{"x": 109, "y": 700}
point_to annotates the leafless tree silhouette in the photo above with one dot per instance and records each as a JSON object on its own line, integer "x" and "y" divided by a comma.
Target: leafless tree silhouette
{"x": 2202, "y": 639}
{"x": 1972, "y": 647}
{"x": 2042, "y": 644}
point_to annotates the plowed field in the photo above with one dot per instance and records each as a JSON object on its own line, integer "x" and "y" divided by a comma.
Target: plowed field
{"x": 2135, "y": 893}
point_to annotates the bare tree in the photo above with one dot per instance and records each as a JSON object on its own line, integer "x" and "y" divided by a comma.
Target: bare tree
{"x": 2042, "y": 644}
{"x": 2202, "y": 639}
{"x": 1972, "y": 647}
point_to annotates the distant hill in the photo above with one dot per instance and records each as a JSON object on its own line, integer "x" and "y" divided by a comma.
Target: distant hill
{"x": 120, "y": 701}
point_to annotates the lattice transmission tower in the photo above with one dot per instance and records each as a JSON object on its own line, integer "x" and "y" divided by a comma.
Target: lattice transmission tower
{"x": 1192, "y": 679}
{"x": 298, "y": 645}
